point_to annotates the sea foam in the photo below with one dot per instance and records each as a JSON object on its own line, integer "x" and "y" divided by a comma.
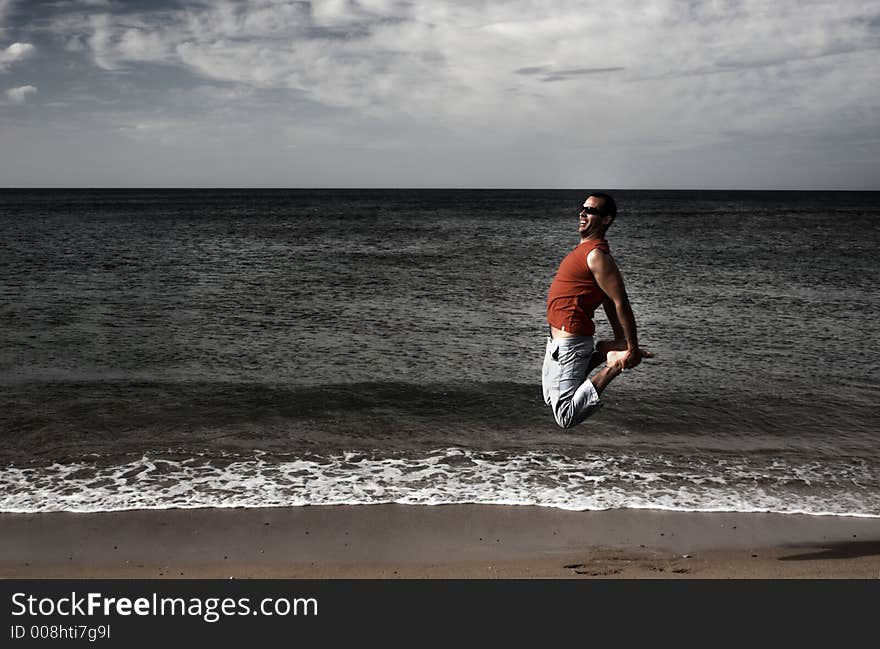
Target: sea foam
{"x": 448, "y": 476}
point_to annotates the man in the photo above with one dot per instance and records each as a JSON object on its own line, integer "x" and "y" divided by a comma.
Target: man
{"x": 586, "y": 278}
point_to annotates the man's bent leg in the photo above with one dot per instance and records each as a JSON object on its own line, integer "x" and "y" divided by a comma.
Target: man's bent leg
{"x": 567, "y": 363}
{"x": 573, "y": 410}
{"x": 603, "y": 377}
{"x": 566, "y": 387}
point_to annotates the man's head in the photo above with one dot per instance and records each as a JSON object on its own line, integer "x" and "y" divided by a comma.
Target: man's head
{"x": 596, "y": 215}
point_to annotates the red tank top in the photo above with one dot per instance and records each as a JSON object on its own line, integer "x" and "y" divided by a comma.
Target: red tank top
{"x": 574, "y": 293}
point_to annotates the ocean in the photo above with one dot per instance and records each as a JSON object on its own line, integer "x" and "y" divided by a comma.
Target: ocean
{"x": 256, "y": 348}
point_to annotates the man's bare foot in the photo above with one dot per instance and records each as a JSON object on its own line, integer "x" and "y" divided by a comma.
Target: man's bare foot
{"x": 614, "y": 360}
{"x": 615, "y": 357}
{"x": 602, "y": 349}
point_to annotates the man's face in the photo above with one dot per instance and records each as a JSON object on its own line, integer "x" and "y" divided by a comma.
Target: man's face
{"x": 589, "y": 223}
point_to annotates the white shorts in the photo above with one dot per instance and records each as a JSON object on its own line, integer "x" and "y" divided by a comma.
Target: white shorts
{"x": 567, "y": 390}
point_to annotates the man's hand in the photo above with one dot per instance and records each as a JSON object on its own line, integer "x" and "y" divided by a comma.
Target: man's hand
{"x": 631, "y": 358}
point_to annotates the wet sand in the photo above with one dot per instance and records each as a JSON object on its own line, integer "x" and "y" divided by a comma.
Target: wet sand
{"x": 453, "y": 541}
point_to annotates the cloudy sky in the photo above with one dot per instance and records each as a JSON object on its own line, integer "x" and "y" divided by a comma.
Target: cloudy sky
{"x": 387, "y": 93}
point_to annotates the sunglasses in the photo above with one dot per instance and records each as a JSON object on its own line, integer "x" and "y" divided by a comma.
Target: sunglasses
{"x": 589, "y": 210}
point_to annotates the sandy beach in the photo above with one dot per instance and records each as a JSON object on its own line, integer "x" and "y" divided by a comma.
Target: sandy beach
{"x": 454, "y": 541}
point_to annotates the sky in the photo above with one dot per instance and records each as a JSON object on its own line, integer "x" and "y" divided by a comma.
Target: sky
{"x": 628, "y": 94}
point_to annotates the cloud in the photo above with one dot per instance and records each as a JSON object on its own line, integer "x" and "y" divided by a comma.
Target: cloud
{"x": 14, "y": 53}
{"x": 5, "y": 6}
{"x": 488, "y": 72}
{"x": 20, "y": 95}
{"x": 535, "y": 75}
{"x": 407, "y": 55}
{"x": 550, "y": 74}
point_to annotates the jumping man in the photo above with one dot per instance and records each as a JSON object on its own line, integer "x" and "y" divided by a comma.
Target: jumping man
{"x": 587, "y": 277}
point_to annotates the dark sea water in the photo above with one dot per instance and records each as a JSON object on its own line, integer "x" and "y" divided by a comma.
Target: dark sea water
{"x": 189, "y": 348}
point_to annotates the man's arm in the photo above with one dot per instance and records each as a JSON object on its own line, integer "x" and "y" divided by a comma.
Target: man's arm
{"x": 613, "y": 320}
{"x": 609, "y": 279}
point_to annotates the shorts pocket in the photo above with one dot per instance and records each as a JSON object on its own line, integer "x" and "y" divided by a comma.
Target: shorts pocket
{"x": 573, "y": 363}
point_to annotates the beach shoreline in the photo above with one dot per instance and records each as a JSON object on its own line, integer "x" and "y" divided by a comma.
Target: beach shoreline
{"x": 444, "y": 541}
